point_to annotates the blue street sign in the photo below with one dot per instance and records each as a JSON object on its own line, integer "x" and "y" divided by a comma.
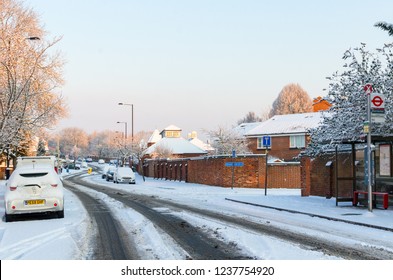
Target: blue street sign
{"x": 266, "y": 141}
{"x": 234, "y": 164}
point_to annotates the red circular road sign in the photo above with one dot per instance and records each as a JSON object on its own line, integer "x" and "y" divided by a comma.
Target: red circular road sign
{"x": 377, "y": 101}
{"x": 368, "y": 88}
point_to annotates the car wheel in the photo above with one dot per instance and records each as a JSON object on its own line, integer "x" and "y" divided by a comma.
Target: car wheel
{"x": 107, "y": 179}
{"x": 60, "y": 214}
{"x": 8, "y": 218}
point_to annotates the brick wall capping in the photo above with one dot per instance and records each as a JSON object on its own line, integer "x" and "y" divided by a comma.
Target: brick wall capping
{"x": 283, "y": 163}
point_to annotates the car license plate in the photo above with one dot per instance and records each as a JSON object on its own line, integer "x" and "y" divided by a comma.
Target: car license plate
{"x": 35, "y": 202}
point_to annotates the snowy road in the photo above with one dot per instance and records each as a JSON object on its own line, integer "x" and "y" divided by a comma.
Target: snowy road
{"x": 158, "y": 220}
{"x": 200, "y": 232}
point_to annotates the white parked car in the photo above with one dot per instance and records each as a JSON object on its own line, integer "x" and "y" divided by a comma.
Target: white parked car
{"x": 33, "y": 189}
{"x": 101, "y": 161}
{"x": 124, "y": 175}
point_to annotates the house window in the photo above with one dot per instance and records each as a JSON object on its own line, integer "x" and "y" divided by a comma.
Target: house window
{"x": 297, "y": 141}
{"x": 259, "y": 143}
{"x": 172, "y": 134}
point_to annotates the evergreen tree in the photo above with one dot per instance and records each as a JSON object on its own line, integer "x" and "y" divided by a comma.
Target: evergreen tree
{"x": 385, "y": 26}
{"x": 344, "y": 121}
{"x": 41, "y": 149}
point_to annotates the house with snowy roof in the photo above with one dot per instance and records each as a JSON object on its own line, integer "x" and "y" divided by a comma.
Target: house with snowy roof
{"x": 169, "y": 144}
{"x": 243, "y": 128}
{"x": 289, "y": 134}
{"x": 193, "y": 138}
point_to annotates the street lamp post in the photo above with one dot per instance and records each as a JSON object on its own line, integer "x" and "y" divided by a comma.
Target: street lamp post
{"x": 132, "y": 119}
{"x": 125, "y": 130}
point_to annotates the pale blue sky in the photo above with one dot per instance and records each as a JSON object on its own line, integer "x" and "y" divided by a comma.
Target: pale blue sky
{"x": 199, "y": 64}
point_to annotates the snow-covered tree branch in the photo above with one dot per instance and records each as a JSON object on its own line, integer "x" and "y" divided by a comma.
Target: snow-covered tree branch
{"x": 344, "y": 122}
{"x": 225, "y": 140}
{"x": 29, "y": 74}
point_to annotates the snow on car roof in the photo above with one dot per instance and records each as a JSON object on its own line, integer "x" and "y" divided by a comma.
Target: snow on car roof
{"x": 32, "y": 169}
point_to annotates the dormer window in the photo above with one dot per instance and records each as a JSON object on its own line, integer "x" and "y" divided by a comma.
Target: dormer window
{"x": 172, "y": 134}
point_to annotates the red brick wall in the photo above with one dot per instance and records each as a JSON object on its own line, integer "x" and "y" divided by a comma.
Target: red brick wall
{"x": 212, "y": 171}
{"x": 322, "y": 178}
{"x": 305, "y": 171}
{"x": 284, "y": 176}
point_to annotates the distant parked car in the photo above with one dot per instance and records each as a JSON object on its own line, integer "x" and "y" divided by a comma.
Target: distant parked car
{"x": 101, "y": 161}
{"x": 89, "y": 159}
{"x": 124, "y": 175}
{"x": 72, "y": 166}
{"x": 104, "y": 170}
{"x": 33, "y": 189}
{"x": 84, "y": 164}
{"x": 113, "y": 162}
{"x": 109, "y": 173}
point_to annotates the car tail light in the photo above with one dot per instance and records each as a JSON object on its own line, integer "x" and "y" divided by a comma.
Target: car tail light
{"x": 54, "y": 185}
{"x": 12, "y": 188}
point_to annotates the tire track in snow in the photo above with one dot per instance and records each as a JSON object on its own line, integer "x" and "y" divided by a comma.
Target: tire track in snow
{"x": 110, "y": 241}
{"x": 19, "y": 249}
{"x": 193, "y": 240}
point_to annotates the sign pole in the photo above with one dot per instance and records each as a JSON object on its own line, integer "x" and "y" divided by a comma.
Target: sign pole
{"x": 266, "y": 142}
{"x": 233, "y": 168}
{"x": 368, "y": 89}
{"x": 266, "y": 171}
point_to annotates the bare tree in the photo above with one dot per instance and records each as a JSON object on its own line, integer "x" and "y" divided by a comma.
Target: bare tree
{"x": 73, "y": 139}
{"x": 250, "y": 118}
{"x": 29, "y": 74}
{"x": 225, "y": 140}
{"x": 292, "y": 99}
{"x": 163, "y": 152}
{"x": 266, "y": 113}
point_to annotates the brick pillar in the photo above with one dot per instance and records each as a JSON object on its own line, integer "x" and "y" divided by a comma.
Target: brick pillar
{"x": 305, "y": 171}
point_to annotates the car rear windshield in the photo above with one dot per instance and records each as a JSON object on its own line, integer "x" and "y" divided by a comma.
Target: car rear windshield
{"x": 34, "y": 175}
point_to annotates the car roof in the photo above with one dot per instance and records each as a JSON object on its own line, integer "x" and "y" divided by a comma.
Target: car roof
{"x": 41, "y": 160}
{"x": 31, "y": 169}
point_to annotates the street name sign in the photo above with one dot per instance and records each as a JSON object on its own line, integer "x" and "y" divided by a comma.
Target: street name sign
{"x": 234, "y": 164}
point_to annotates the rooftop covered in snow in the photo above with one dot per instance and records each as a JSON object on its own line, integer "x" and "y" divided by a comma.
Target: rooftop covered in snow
{"x": 177, "y": 146}
{"x": 287, "y": 124}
